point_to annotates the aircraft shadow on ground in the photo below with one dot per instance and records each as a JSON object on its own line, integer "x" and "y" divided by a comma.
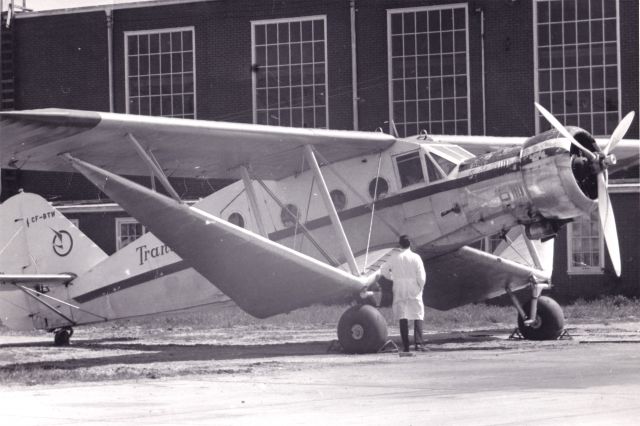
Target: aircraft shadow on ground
{"x": 144, "y": 353}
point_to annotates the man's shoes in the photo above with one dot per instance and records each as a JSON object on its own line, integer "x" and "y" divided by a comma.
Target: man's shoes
{"x": 406, "y": 354}
{"x": 420, "y": 348}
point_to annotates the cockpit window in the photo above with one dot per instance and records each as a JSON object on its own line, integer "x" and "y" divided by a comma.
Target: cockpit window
{"x": 433, "y": 172}
{"x": 446, "y": 165}
{"x": 410, "y": 168}
{"x": 441, "y": 160}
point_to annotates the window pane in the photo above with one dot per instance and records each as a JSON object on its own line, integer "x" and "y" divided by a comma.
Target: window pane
{"x": 409, "y": 169}
{"x": 580, "y": 58}
{"x": 430, "y": 36}
{"x": 294, "y": 75}
{"x": 157, "y": 66}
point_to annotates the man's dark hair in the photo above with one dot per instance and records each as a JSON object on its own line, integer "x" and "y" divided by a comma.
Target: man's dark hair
{"x": 404, "y": 241}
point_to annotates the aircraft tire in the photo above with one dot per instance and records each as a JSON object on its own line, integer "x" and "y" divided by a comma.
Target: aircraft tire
{"x": 62, "y": 337}
{"x": 362, "y": 329}
{"x": 549, "y": 323}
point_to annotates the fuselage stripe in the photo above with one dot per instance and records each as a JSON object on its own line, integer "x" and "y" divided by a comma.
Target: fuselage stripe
{"x": 133, "y": 281}
{"x": 401, "y": 198}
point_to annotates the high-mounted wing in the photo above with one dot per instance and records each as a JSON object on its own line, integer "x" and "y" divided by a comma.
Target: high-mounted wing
{"x": 184, "y": 148}
{"x": 263, "y": 277}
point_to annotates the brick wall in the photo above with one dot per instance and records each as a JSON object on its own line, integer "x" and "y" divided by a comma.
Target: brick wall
{"x": 61, "y": 62}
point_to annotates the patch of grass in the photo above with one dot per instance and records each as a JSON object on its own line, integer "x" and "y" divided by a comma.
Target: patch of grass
{"x": 48, "y": 374}
{"x": 615, "y": 308}
{"x": 609, "y": 308}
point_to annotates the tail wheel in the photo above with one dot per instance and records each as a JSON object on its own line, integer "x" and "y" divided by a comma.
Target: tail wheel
{"x": 362, "y": 329}
{"x": 549, "y": 321}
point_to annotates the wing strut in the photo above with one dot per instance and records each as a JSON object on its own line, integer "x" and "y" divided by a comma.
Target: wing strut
{"x": 253, "y": 201}
{"x": 331, "y": 209}
{"x": 305, "y": 231}
{"x": 533, "y": 251}
{"x": 155, "y": 167}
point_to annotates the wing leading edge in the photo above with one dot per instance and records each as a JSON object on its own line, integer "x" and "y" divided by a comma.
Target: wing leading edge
{"x": 264, "y": 278}
{"x": 35, "y": 140}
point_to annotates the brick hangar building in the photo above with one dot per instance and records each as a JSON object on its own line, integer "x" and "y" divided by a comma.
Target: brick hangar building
{"x": 453, "y": 67}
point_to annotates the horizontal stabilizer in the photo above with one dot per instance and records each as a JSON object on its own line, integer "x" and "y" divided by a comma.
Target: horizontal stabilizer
{"x": 264, "y": 278}
{"x": 49, "y": 279}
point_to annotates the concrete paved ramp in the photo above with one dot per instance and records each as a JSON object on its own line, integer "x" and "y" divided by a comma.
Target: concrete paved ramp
{"x": 496, "y": 382}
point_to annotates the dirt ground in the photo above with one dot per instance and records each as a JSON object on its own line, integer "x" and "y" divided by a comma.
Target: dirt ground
{"x": 240, "y": 375}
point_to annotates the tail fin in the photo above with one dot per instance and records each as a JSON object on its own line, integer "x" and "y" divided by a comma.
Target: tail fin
{"x": 35, "y": 238}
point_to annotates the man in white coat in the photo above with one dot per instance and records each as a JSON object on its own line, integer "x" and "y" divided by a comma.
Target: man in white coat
{"x": 406, "y": 270}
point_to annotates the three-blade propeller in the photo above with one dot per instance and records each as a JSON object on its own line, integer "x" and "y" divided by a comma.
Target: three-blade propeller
{"x": 603, "y": 159}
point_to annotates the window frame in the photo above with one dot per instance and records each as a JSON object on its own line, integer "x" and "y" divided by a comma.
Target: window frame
{"x": 418, "y": 152}
{"x": 536, "y": 72}
{"x": 254, "y": 88}
{"x": 442, "y": 121}
{"x": 126, "y": 221}
{"x": 573, "y": 269}
{"x": 160, "y": 31}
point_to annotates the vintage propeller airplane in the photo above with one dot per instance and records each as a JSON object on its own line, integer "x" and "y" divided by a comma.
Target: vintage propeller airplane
{"x": 312, "y": 217}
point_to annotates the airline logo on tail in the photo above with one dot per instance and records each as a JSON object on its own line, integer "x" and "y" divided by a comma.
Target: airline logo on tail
{"x": 62, "y": 242}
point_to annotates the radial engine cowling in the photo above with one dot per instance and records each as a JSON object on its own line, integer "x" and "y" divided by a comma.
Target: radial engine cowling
{"x": 561, "y": 187}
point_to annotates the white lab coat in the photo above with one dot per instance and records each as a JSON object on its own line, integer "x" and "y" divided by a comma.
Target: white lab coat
{"x": 406, "y": 270}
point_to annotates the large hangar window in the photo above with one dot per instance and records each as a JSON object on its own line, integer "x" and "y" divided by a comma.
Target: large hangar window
{"x": 160, "y": 72}
{"x": 290, "y": 69}
{"x": 429, "y": 69}
{"x": 577, "y": 63}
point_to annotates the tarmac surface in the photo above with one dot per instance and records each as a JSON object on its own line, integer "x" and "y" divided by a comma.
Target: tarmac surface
{"x": 468, "y": 378}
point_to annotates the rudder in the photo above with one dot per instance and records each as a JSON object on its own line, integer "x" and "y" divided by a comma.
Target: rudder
{"x": 35, "y": 238}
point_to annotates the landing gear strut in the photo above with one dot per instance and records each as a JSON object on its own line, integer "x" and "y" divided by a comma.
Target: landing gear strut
{"x": 548, "y": 323}
{"x": 541, "y": 318}
{"x": 62, "y": 336}
{"x": 362, "y": 329}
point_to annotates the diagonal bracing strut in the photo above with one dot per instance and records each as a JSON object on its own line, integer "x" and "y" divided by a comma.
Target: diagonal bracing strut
{"x": 331, "y": 209}
{"x": 155, "y": 167}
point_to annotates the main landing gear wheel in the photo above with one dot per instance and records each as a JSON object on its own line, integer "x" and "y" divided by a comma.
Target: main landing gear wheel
{"x": 61, "y": 337}
{"x": 362, "y": 329}
{"x": 549, "y": 321}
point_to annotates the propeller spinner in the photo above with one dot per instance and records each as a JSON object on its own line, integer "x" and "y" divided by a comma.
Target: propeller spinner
{"x": 601, "y": 161}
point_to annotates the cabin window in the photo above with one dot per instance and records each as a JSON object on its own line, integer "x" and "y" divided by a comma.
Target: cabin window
{"x": 290, "y": 72}
{"x": 433, "y": 172}
{"x": 127, "y": 231}
{"x": 160, "y": 72}
{"x": 236, "y": 219}
{"x": 409, "y": 169}
{"x": 445, "y": 165}
{"x": 378, "y": 187}
{"x": 339, "y": 199}
{"x": 585, "y": 246}
{"x": 577, "y": 63}
{"x": 428, "y": 62}
{"x": 289, "y": 215}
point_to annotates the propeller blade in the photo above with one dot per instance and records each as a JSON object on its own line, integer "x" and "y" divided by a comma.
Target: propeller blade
{"x": 608, "y": 224}
{"x": 564, "y": 132}
{"x": 619, "y": 132}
